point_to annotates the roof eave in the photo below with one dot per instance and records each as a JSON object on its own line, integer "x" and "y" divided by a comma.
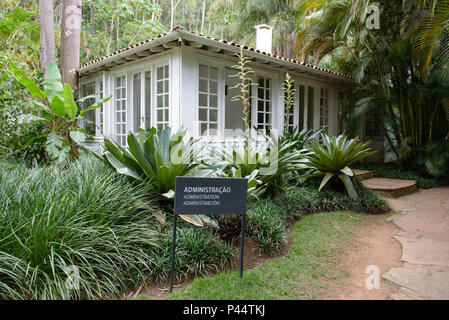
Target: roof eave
{"x": 180, "y": 34}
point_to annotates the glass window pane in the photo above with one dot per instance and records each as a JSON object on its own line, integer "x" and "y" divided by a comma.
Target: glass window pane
{"x": 203, "y": 100}
{"x": 213, "y": 115}
{"x": 203, "y": 85}
{"x": 204, "y": 71}
{"x": 213, "y": 101}
{"x": 160, "y": 72}
{"x": 166, "y": 72}
{"x": 160, "y": 87}
{"x": 213, "y": 86}
{"x": 160, "y": 101}
{"x": 202, "y": 114}
{"x": 213, "y": 73}
{"x": 203, "y": 128}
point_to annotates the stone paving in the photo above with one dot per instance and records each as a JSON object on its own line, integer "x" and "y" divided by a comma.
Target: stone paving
{"x": 424, "y": 219}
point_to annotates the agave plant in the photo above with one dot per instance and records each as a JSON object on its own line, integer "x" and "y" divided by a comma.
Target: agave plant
{"x": 157, "y": 158}
{"x": 333, "y": 156}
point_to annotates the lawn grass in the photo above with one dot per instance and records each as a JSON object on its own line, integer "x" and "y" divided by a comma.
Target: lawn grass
{"x": 316, "y": 245}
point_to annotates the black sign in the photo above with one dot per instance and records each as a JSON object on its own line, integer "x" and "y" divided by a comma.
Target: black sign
{"x": 196, "y": 195}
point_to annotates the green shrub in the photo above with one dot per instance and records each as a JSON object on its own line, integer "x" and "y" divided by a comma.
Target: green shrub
{"x": 266, "y": 224}
{"x": 90, "y": 217}
{"x": 401, "y": 171}
{"x": 302, "y": 201}
{"x": 22, "y": 142}
{"x": 197, "y": 253}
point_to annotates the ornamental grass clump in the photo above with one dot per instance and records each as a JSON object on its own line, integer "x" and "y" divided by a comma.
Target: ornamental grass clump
{"x": 81, "y": 233}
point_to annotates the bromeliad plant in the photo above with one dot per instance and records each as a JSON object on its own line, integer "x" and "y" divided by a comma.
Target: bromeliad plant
{"x": 58, "y": 108}
{"x": 156, "y": 158}
{"x": 333, "y": 156}
{"x": 268, "y": 159}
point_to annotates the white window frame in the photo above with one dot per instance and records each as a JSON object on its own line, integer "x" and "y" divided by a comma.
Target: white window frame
{"x": 166, "y": 109}
{"x": 219, "y": 119}
{"x": 99, "y": 89}
{"x": 142, "y": 97}
{"x": 99, "y": 112}
{"x": 256, "y": 100}
{"x": 324, "y": 103}
{"x": 118, "y": 134}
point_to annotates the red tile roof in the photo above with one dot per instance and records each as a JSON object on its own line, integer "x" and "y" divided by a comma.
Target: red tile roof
{"x": 181, "y": 30}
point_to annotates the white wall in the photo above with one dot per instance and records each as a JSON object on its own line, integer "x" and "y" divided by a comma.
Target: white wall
{"x": 184, "y": 64}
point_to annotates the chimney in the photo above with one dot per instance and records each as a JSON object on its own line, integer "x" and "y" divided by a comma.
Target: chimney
{"x": 264, "y": 38}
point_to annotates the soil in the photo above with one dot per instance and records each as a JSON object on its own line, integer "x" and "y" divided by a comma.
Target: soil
{"x": 371, "y": 244}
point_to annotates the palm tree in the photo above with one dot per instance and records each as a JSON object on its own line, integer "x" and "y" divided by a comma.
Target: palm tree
{"x": 432, "y": 38}
{"x": 247, "y": 14}
{"x": 399, "y": 68}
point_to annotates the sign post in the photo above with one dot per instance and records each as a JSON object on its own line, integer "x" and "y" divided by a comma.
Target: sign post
{"x": 195, "y": 195}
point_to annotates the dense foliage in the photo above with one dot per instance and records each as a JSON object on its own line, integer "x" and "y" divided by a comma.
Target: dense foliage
{"x": 90, "y": 218}
{"x": 401, "y": 68}
{"x": 59, "y": 109}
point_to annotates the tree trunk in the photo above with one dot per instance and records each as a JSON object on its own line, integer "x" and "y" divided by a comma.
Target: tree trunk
{"x": 70, "y": 41}
{"x": 174, "y": 4}
{"x": 203, "y": 15}
{"x": 47, "y": 37}
{"x": 172, "y": 13}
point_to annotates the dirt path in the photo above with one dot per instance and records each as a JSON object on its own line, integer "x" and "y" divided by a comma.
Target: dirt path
{"x": 371, "y": 245}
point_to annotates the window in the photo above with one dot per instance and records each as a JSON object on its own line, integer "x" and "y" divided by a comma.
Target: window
{"x": 208, "y": 100}
{"x": 162, "y": 97}
{"x": 310, "y": 107}
{"x": 120, "y": 110}
{"x": 302, "y": 105}
{"x": 137, "y": 100}
{"x": 264, "y": 103}
{"x": 100, "y": 111}
{"x": 147, "y": 84}
{"x": 324, "y": 107}
{"x": 88, "y": 122}
{"x": 373, "y": 124}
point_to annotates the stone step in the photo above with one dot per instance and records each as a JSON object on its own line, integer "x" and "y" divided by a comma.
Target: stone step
{"x": 391, "y": 188}
{"x": 363, "y": 174}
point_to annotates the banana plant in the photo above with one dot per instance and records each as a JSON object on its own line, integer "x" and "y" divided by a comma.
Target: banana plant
{"x": 333, "y": 156}
{"x": 57, "y": 107}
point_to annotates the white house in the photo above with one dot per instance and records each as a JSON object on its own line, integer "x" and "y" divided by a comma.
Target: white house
{"x": 183, "y": 79}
